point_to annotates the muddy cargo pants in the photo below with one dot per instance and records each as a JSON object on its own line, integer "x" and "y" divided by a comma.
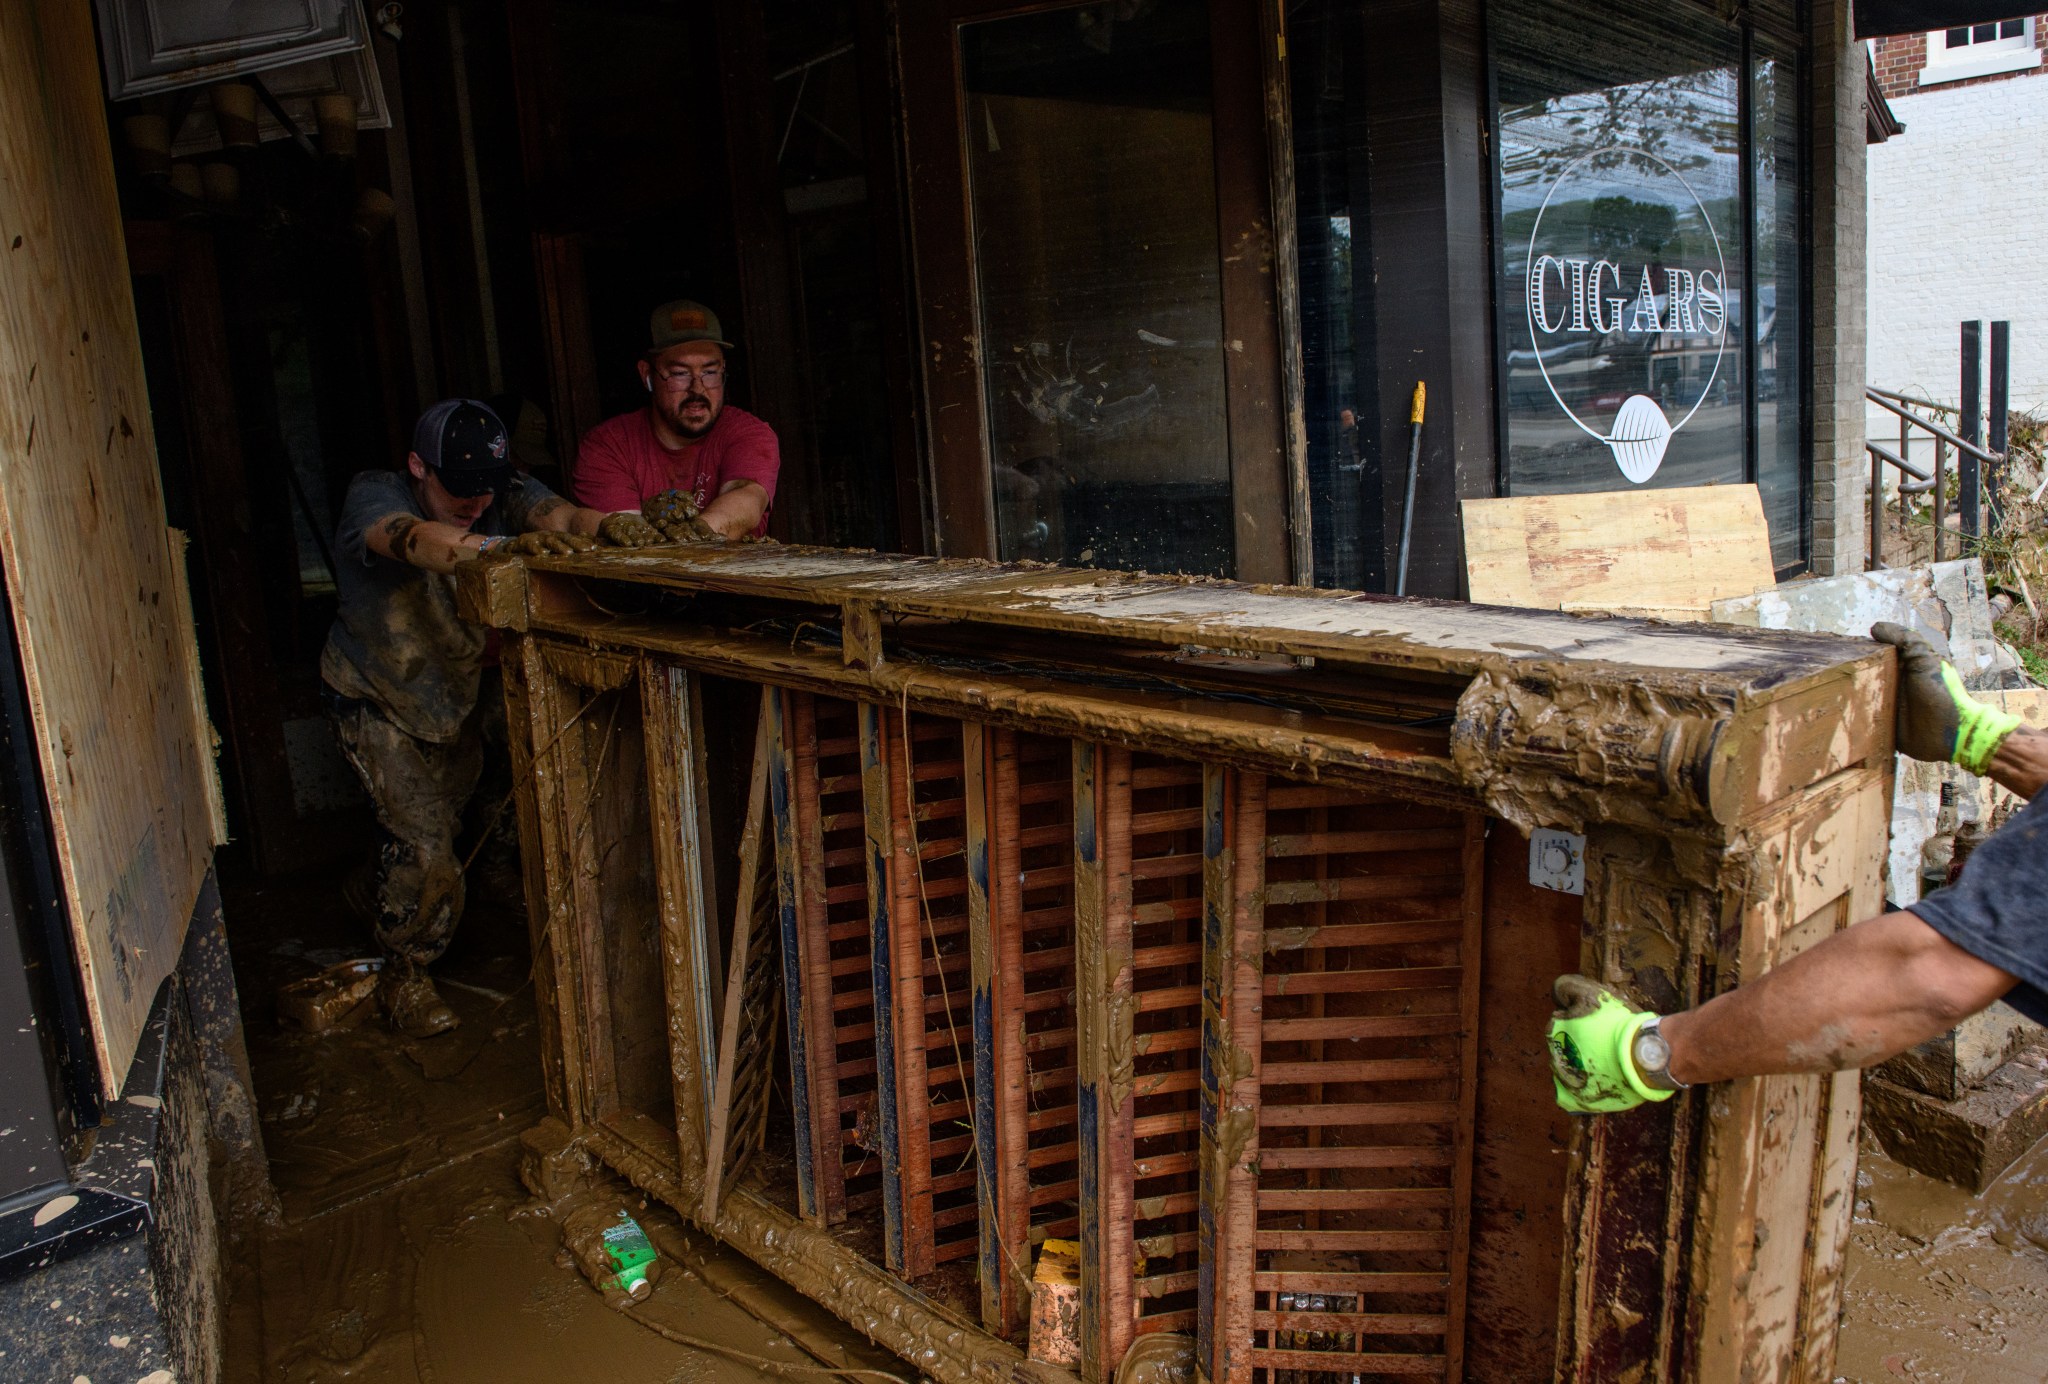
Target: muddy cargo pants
{"x": 419, "y": 789}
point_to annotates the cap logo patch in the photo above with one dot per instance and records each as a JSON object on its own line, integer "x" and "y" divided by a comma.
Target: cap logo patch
{"x": 686, "y": 319}
{"x": 498, "y": 446}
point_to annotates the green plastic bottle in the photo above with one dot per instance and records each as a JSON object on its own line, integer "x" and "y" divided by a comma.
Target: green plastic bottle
{"x": 630, "y": 1253}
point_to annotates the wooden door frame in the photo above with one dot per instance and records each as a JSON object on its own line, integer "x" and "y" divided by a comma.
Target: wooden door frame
{"x": 1269, "y": 531}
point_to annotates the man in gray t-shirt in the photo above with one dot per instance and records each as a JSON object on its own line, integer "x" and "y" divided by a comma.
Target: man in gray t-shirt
{"x": 402, "y": 669}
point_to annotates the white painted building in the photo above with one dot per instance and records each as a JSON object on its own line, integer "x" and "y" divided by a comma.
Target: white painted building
{"x": 1958, "y": 208}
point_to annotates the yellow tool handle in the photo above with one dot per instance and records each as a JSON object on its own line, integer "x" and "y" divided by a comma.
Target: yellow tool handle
{"x": 1415, "y": 408}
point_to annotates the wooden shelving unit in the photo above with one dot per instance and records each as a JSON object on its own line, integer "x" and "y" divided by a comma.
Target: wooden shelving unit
{"x": 1193, "y": 923}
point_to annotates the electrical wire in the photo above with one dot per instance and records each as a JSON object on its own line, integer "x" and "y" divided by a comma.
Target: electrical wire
{"x": 759, "y": 1362}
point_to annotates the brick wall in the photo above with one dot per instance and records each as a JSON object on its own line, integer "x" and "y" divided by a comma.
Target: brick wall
{"x": 1899, "y": 58}
{"x": 1958, "y": 224}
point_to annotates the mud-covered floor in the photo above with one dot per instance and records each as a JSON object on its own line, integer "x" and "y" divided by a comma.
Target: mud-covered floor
{"x": 408, "y": 1250}
{"x": 1941, "y": 1285}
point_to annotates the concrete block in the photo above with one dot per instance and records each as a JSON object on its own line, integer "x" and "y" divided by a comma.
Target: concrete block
{"x": 1949, "y": 604}
{"x": 1967, "y": 1142}
{"x": 1948, "y": 1066}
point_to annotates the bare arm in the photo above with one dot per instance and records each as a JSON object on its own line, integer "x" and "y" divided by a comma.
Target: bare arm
{"x": 422, "y": 542}
{"x": 737, "y": 510}
{"x": 1857, "y": 998}
{"x": 2021, "y": 762}
{"x": 557, "y": 515}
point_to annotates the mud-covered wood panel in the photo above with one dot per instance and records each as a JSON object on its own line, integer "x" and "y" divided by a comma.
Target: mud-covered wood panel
{"x": 1520, "y": 1158}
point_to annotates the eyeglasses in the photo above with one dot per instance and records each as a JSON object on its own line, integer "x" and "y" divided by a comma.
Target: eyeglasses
{"x": 711, "y": 376}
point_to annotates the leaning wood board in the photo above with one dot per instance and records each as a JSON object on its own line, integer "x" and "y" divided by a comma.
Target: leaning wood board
{"x": 1214, "y": 922}
{"x": 1671, "y": 553}
{"x": 107, "y": 653}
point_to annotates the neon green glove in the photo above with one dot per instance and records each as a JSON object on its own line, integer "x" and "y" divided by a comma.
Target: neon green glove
{"x": 1590, "y": 1037}
{"x": 1938, "y": 719}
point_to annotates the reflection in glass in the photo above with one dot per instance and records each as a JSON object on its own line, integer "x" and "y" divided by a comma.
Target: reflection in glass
{"x": 1333, "y": 242}
{"x": 1780, "y": 332}
{"x": 1621, "y": 246}
{"x": 822, "y": 176}
{"x": 1092, "y": 182}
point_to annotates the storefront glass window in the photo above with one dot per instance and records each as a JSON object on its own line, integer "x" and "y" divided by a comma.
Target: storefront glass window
{"x": 1333, "y": 240}
{"x": 1621, "y": 247}
{"x": 1780, "y": 320}
{"x": 1091, "y": 170}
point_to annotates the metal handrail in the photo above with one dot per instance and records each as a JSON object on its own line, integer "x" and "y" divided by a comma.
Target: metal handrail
{"x": 1881, "y": 456}
{"x": 1914, "y": 399}
{"x": 1923, "y": 482}
{"x": 1883, "y": 399}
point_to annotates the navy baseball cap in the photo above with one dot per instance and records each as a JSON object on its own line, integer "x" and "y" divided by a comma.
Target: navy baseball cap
{"x": 466, "y": 444}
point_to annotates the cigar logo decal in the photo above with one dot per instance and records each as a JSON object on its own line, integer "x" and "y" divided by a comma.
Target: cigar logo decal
{"x": 1628, "y": 302}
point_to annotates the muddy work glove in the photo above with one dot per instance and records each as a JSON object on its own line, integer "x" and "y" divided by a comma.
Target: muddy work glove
{"x": 675, "y": 514}
{"x": 628, "y": 531}
{"x": 1938, "y": 720}
{"x": 1591, "y": 1038}
{"x": 540, "y": 543}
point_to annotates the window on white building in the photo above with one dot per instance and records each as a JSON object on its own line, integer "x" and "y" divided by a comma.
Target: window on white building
{"x": 1979, "y": 50}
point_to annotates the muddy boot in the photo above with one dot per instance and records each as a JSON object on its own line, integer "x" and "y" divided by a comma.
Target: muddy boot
{"x": 416, "y": 1008}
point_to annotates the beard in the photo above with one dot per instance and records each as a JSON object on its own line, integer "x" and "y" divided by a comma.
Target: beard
{"x": 677, "y": 415}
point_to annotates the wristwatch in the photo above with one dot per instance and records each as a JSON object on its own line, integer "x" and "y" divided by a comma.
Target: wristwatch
{"x": 1652, "y": 1056}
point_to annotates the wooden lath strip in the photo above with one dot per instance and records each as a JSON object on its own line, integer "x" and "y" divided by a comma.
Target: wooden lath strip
{"x": 1001, "y": 1087}
{"x": 1358, "y": 1241}
{"x": 1468, "y": 1088}
{"x": 1356, "y": 1199}
{"x": 1354, "y": 1284}
{"x": 747, "y": 1034}
{"x": 1387, "y": 934}
{"x": 1102, "y": 871}
{"x": 925, "y": 778}
{"x": 906, "y": 1157}
{"x": 1274, "y": 1074}
{"x": 1362, "y": 842}
{"x": 1349, "y": 1364}
{"x": 1364, "y": 887}
{"x": 1364, "y": 1026}
{"x": 1385, "y": 1323}
{"x": 1365, "y": 982}
{"x": 811, "y": 1149}
{"x": 1361, "y": 1113}
{"x": 1356, "y": 1155}
{"x": 1233, "y": 930}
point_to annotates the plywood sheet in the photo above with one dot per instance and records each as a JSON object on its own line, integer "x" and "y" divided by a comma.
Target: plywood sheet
{"x": 1663, "y": 553}
{"x": 88, "y": 562}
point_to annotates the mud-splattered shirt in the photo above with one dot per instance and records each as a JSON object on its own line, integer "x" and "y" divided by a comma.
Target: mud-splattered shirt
{"x": 397, "y": 641}
{"x": 1998, "y": 910}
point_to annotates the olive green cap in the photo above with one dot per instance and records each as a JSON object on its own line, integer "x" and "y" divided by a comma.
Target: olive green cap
{"x": 673, "y": 324}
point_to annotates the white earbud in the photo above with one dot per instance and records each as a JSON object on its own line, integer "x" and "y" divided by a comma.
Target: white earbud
{"x": 649, "y": 384}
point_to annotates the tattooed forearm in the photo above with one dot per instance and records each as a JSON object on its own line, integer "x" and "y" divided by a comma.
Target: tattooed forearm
{"x": 405, "y": 541}
{"x": 539, "y": 515}
{"x": 401, "y": 535}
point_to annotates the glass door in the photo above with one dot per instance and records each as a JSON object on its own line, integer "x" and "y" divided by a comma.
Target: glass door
{"x": 1102, "y": 355}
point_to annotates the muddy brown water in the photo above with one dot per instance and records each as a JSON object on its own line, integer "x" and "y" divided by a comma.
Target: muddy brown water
{"x": 1941, "y": 1285}
{"x": 407, "y": 1249}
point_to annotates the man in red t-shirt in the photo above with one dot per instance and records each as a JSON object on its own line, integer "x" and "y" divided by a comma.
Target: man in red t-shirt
{"x": 688, "y": 440}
